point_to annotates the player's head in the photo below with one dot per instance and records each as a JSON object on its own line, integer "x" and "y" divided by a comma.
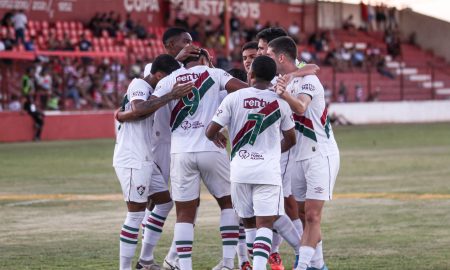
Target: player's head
{"x": 238, "y": 74}
{"x": 284, "y": 51}
{"x": 163, "y": 65}
{"x": 175, "y": 39}
{"x": 267, "y": 35}
{"x": 249, "y": 52}
{"x": 201, "y": 59}
{"x": 263, "y": 69}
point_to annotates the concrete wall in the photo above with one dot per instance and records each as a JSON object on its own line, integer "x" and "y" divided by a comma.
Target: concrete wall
{"x": 394, "y": 112}
{"x": 431, "y": 33}
{"x": 16, "y": 126}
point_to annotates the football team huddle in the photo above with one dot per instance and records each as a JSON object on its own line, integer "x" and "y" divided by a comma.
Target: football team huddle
{"x": 176, "y": 123}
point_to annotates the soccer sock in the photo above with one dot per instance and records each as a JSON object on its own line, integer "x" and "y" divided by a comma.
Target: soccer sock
{"x": 285, "y": 227}
{"x": 298, "y": 226}
{"x": 184, "y": 237}
{"x": 155, "y": 223}
{"x": 261, "y": 248}
{"x": 229, "y": 230}
{"x": 242, "y": 246}
{"x": 305, "y": 253}
{"x": 276, "y": 242}
{"x": 172, "y": 254}
{"x": 250, "y": 235}
{"x": 129, "y": 238}
{"x": 144, "y": 222}
{"x": 317, "y": 259}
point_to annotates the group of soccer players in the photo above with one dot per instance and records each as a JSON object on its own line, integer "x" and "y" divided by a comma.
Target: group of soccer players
{"x": 282, "y": 166}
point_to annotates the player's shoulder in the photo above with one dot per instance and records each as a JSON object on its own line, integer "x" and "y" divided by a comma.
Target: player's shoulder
{"x": 137, "y": 83}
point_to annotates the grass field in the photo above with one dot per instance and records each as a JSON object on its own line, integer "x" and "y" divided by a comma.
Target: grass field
{"x": 60, "y": 205}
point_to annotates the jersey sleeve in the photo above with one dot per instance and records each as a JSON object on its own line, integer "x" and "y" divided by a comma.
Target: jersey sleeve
{"x": 224, "y": 77}
{"x": 223, "y": 113}
{"x": 310, "y": 85}
{"x": 163, "y": 87}
{"x": 138, "y": 90}
{"x": 287, "y": 121}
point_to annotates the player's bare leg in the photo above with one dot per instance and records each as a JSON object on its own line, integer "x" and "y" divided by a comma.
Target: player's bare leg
{"x": 129, "y": 233}
{"x": 312, "y": 233}
{"x": 161, "y": 206}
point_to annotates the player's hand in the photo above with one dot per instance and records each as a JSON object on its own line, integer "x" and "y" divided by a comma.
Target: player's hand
{"x": 282, "y": 82}
{"x": 308, "y": 69}
{"x": 220, "y": 140}
{"x": 180, "y": 90}
{"x": 116, "y": 115}
{"x": 188, "y": 51}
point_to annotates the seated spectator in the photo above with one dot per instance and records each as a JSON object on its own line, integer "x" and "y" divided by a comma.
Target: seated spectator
{"x": 342, "y": 93}
{"x": 358, "y": 58}
{"x": 348, "y": 23}
{"x": 140, "y": 31}
{"x": 29, "y": 45}
{"x": 383, "y": 69}
{"x": 359, "y": 93}
{"x": 15, "y": 105}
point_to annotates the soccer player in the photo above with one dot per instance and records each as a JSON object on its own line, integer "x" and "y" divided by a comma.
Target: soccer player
{"x": 255, "y": 116}
{"x": 194, "y": 157}
{"x": 316, "y": 155}
{"x": 249, "y": 52}
{"x": 139, "y": 177}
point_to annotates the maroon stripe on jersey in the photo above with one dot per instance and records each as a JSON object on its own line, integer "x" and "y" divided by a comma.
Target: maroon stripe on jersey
{"x": 198, "y": 83}
{"x": 129, "y": 235}
{"x": 304, "y": 121}
{"x": 323, "y": 119}
{"x": 268, "y": 109}
{"x": 261, "y": 246}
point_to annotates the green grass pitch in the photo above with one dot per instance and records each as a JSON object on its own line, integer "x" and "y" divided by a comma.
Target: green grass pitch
{"x": 391, "y": 207}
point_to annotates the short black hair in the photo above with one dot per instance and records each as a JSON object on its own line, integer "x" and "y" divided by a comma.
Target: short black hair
{"x": 271, "y": 33}
{"x": 203, "y": 52}
{"x": 164, "y": 63}
{"x": 264, "y": 68}
{"x": 285, "y": 45}
{"x": 172, "y": 32}
{"x": 250, "y": 45}
{"x": 238, "y": 74}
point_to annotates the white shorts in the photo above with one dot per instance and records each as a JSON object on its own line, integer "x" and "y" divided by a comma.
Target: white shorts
{"x": 161, "y": 154}
{"x": 314, "y": 178}
{"x": 250, "y": 200}
{"x": 186, "y": 169}
{"x": 138, "y": 184}
{"x": 287, "y": 163}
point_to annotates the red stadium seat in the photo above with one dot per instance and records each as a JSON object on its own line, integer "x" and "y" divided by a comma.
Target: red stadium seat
{"x": 73, "y": 25}
{"x": 44, "y": 25}
{"x": 65, "y": 25}
{"x": 58, "y": 25}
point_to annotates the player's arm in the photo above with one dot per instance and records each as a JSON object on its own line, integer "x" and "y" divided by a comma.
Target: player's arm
{"x": 234, "y": 85}
{"x": 145, "y": 108}
{"x": 308, "y": 69}
{"x": 298, "y": 104}
{"x": 288, "y": 140}
{"x": 213, "y": 134}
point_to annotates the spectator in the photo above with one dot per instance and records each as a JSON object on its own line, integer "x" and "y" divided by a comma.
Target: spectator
{"x": 20, "y": 23}
{"x": 129, "y": 23}
{"x": 2, "y": 45}
{"x": 328, "y": 94}
{"x": 29, "y": 45}
{"x": 373, "y": 97}
{"x": 342, "y": 94}
{"x": 359, "y": 93}
{"x": 140, "y": 31}
{"x": 358, "y": 58}
{"x": 71, "y": 77}
{"x": 67, "y": 43}
{"x": 380, "y": 16}
{"x": 7, "y": 19}
{"x": 348, "y": 23}
{"x": 85, "y": 45}
{"x": 45, "y": 83}
{"x": 14, "y": 105}
{"x": 36, "y": 115}
{"x": 294, "y": 31}
{"x": 383, "y": 70}
{"x": 28, "y": 83}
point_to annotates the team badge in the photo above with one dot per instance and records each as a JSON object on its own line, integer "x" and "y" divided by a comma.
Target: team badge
{"x": 140, "y": 190}
{"x": 244, "y": 154}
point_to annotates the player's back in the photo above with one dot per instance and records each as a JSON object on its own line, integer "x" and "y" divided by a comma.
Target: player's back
{"x": 190, "y": 115}
{"x": 256, "y": 119}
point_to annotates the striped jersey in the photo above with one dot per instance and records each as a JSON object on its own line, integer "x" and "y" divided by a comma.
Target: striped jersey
{"x": 315, "y": 135}
{"x": 255, "y": 119}
{"x": 190, "y": 115}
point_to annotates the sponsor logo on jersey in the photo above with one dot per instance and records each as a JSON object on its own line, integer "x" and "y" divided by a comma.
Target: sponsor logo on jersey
{"x": 308, "y": 87}
{"x": 137, "y": 94}
{"x": 194, "y": 125}
{"x": 185, "y": 125}
{"x": 187, "y": 77}
{"x": 253, "y": 103}
{"x": 140, "y": 189}
{"x": 244, "y": 154}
